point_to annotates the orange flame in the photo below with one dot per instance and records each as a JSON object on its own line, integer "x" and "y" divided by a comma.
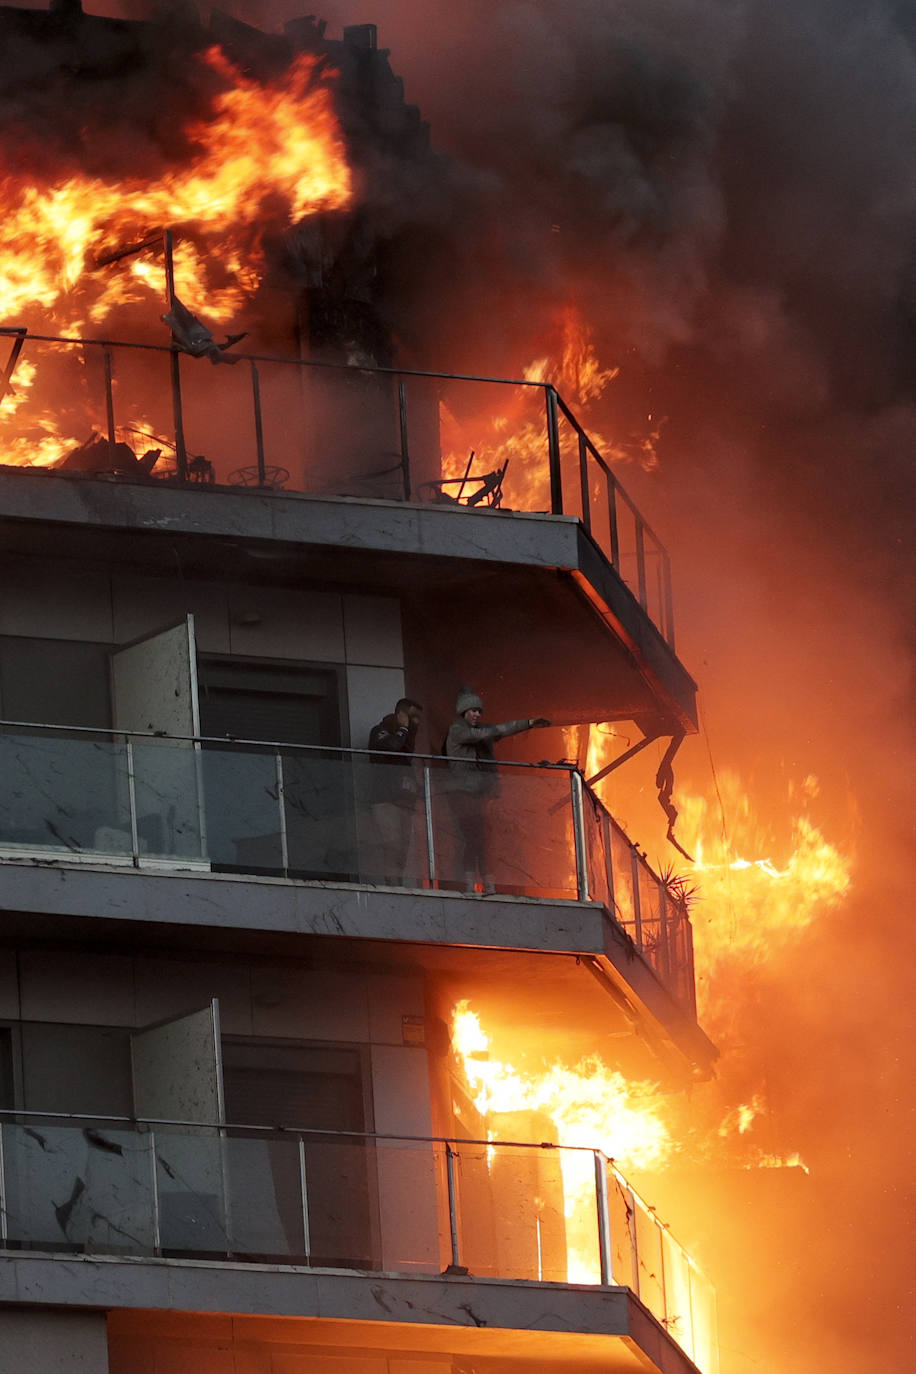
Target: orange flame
{"x": 279, "y": 141}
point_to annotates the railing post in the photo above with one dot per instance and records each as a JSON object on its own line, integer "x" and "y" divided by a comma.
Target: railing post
{"x": 109, "y": 397}
{"x": 637, "y": 900}
{"x": 634, "y": 1239}
{"x": 553, "y": 450}
{"x": 258, "y": 422}
{"x": 405, "y": 447}
{"x": 132, "y": 801}
{"x": 578, "y": 812}
{"x": 430, "y": 837}
{"x": 181, "y": 451}
{"x": 641, "y": 560}
{"x": 608, "y": 860}
{"x": 612, "y": 520}
{"x": 669, "y": 598}
{"x": 303, "y": 1189}
{"x": 4, "y": 1201}
{"x": 604, "y": 1219}
{"x": 583, "y": 483}
{"x": 281, "y": 807}
{"x": 450, "y": 1157}
{"x": 154, "y": 1194}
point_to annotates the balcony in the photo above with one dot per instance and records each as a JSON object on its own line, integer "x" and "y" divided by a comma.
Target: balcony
{"x": 382, "y": 1204}
{"x": 286, "y": 425}
{"x": 278, "y": 811}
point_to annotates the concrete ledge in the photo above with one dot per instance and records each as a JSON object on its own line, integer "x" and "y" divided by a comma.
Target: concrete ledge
{"x": 554, "y": 1324}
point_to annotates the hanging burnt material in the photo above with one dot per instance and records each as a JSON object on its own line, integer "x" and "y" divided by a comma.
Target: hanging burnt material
{"x": 99, "y": 455}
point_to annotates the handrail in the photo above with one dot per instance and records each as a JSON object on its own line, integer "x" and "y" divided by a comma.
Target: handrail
{"x": 658, "y": 606}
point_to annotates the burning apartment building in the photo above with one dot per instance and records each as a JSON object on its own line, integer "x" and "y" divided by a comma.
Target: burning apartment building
{"x": 249, "y": 1118}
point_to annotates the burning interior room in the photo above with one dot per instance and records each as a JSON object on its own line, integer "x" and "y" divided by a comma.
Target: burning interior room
{"x": 313, "y": 398}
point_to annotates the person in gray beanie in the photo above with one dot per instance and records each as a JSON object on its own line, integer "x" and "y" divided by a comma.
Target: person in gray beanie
{"x": 475, "y": 779}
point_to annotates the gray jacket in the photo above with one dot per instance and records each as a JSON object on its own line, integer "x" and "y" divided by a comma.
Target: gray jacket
{"x": 470, "y": 752}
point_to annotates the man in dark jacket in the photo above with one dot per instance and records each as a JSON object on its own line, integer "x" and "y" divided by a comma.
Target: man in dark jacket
{"x": 393, "y": 789}
{"x": 469, "y": 746}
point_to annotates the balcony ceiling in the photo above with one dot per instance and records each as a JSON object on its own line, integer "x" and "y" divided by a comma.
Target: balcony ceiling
{"x": 528, "y": 596}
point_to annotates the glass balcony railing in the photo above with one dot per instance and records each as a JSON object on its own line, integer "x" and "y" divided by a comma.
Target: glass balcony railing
{"x": 333, "y": 815}
{"x": 153, "y": 412}
{"x": 113, "y": 1186}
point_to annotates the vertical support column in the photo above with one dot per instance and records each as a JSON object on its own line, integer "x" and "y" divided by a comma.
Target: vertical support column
{"x": 109, "y": 395}
{"x": 4, "y": 1200}
{"x": 608, "y": 860}
{"x": 578, "y": 813}
{"x": 181, "y": 451}
{"x": 583, "y": 483}
{"x": 604, "y": 1219}
{"x": 553, "y": 450}
{"x": 258, "y": 422}
{"x": 669, "y": 598}
{"x": 405, "y": 447}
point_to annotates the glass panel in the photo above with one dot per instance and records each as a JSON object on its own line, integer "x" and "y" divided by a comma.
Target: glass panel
{"x": 64, "y": 792}
{"x": 649, "y": 1251}
{"x": 320, "y": 816}
{"x": 342, "y": 1212}
{"x": 244, "y": 822}
{"x": 622, "y": 861}
{"x": 412, "y": 1207}
{"x": 264, "y": 1186}
{"x": 166, "y": 786}
{"x": 511, "y": 1207}
{"x": 189, "y": 1174}
{"x": 620, "y": 1207}
{"x": 78, "y": 1188}
{"x": 596, "y": 839}
{"x": 391, "y": 822}
{"x": 705, "y": 1334}
{"x": 677, "y": 1293}
{"x": 509, "y": 828}
{"x": 651, "y": 909}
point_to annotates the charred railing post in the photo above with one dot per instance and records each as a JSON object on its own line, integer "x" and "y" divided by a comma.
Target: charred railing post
{"x": 553, "y": 450}
{"x": 641, "y": 559}
{"x": 109, "y": 395}
{"x": 637, "y": 903}
{"x": 583, "y": 482}
{"x": 450, "y": 1157}
{"x": 405, "y": 446}
{"x": 612, "y": 519}
{"x": 605, "y": 1253}
{"x": 258, "y": 423}
{"x": 181, "y": 449}
{"x": 19, "y": 333}
{"x": 4, "y": 1199}
{"x": 578, "y": 814}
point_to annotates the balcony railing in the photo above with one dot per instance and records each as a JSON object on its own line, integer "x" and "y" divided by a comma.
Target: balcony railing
{"x": 313, "y": 814}
{"x": 324, "y": 428}
{"x": 326, "y": 1199}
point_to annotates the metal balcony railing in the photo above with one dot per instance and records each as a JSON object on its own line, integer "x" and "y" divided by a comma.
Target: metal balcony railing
{"x": 277, "y": 809}
{"x": 327, "y": 1199}
{"x": 324, "y": 428}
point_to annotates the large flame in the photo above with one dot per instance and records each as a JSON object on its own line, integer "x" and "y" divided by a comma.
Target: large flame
{"x": 279, "y": 143}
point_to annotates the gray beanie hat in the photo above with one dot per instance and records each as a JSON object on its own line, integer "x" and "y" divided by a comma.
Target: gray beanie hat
{"x": 468, "y": 701}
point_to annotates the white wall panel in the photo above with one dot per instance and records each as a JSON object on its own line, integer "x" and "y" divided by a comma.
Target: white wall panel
{"x": 309, "y": 1004}
{"x": 53, "y": 1342}
{"x": 88, "y": 988}
{"x": 371, "y": 694}
{"x": 168, "y": 987}
{"x": 143, "y": 604}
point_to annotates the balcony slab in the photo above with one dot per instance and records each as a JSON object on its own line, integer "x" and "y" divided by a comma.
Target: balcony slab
{"x": 540, "y": 572}
{"x": 446, "y": 931}
{"x": 557, "y": 1326}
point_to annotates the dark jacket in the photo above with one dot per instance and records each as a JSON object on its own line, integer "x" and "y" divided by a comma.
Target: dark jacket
{"x": 392, "y": 776}
{"x": 470, "y": 751}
